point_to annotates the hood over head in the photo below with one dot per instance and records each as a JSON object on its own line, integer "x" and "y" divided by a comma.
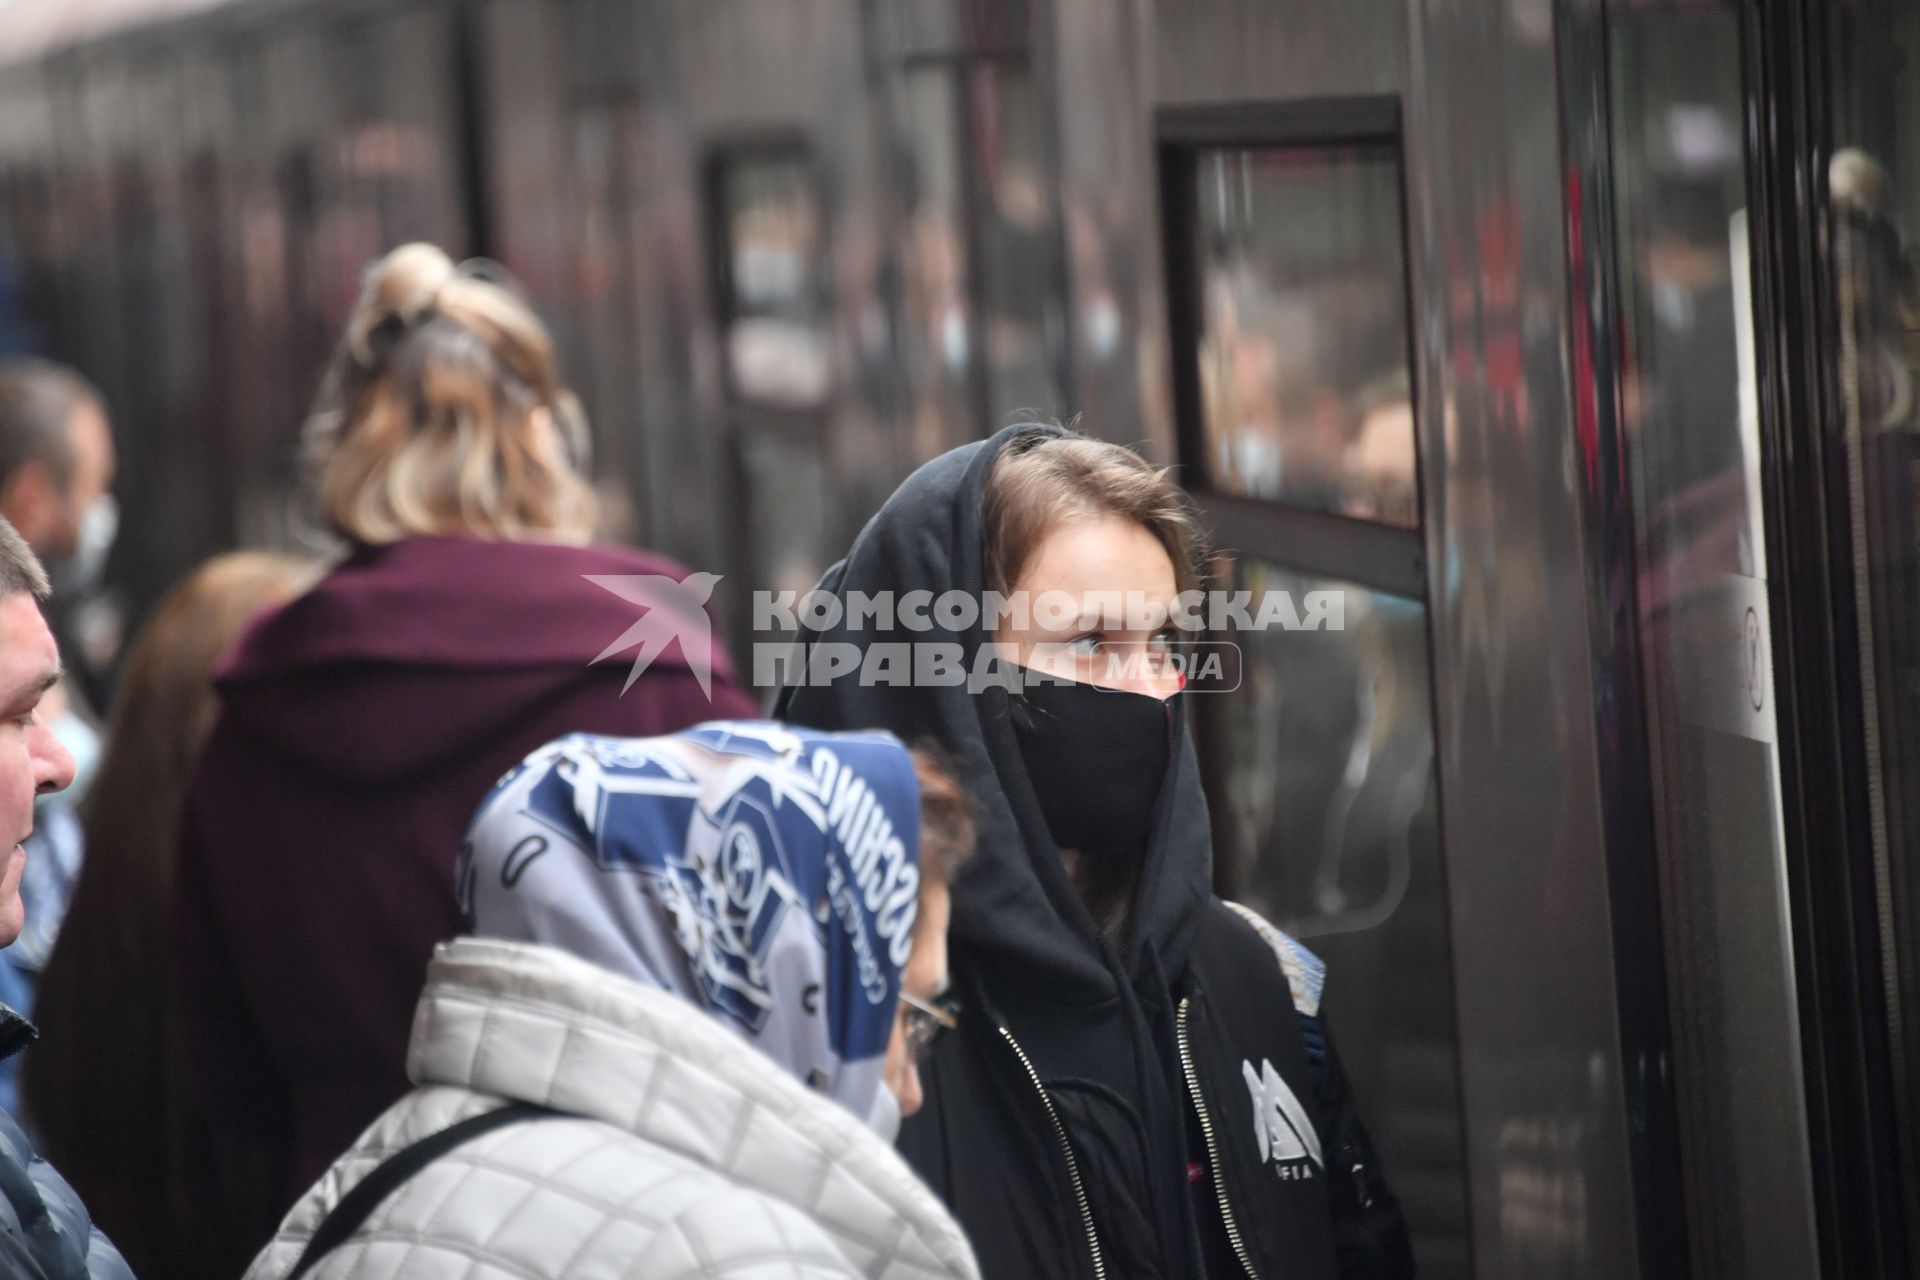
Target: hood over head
{"x": 1014, "y": 906}
{"x": 412, "y": 652}
{"x": 765, "y": 875}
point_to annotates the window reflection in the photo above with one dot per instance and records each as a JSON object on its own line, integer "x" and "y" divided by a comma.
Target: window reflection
{"x": 1332, "y": 815}
{"x": 1873, "y": 184}
{"x": 1303, "y": 354}
{"x": 777, "y": 347}
{"x": 784, "y": 479}
{"x": 982, "y": 244}
{"x": 1018, "y": 241}
{"x": 1690, "y": 412}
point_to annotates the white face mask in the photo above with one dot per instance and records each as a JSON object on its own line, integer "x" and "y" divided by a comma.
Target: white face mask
{"x": 953, "y": 338}
{"x": 1103, "y": 327}
{"x": 884, "y": 1117}
{"x": 98, "y": 528}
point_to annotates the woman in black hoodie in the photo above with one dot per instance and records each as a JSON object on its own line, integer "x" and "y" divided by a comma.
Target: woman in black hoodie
{"x": 1143, "y": 1086}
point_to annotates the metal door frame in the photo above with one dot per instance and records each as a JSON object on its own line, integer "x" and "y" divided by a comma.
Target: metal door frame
{"x": 1843, "y": 965}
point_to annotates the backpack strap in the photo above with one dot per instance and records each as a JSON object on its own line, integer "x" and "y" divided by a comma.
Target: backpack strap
{"x": 1306, "y": 976}
{"x": 366, "y": 1195}
{"x": 1306, "y": 972}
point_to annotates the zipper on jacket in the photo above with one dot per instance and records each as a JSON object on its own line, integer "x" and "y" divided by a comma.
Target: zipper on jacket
{"x": 1358, "y": 1172}
{"x": 1066, "y": 1149}
{"x": 1213, "y": 1147}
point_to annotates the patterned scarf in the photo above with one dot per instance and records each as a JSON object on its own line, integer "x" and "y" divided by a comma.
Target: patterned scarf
{"x": 765, "y": 874}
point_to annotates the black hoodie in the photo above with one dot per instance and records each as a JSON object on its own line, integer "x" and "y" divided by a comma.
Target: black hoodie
{"x": 1061, "y": 1125}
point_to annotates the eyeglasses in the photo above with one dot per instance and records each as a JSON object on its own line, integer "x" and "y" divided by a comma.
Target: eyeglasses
{"x": 925, "y": 1021}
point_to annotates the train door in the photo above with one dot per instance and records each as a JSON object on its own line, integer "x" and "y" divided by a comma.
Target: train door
{"x": 1741, "y": 254}
{"x": 1835, "y": 92}
{"x": 1687, "y": 303}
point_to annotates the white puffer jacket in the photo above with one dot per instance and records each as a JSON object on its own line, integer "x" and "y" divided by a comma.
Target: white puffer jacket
{"x": 694, "y": 1155}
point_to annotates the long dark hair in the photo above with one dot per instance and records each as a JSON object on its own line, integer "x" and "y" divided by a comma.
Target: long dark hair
{"x": 102, "y": 1087}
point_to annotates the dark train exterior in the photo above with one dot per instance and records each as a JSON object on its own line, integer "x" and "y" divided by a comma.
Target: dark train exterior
{"x": 1574, "y": 343}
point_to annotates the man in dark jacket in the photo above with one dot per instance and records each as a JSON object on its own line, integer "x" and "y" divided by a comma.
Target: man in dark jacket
{"x": 44, "y": 1230}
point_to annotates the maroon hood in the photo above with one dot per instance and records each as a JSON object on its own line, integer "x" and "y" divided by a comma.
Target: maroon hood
{"x": 411, "y": 653}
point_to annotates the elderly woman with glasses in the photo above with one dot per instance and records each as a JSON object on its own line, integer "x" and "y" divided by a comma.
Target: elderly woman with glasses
{"x": 683, "y": 1031}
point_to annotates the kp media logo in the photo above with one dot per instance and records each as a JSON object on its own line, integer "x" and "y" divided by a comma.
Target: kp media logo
{"x": 672, "y": 611}
{"x": 925, "y": 639}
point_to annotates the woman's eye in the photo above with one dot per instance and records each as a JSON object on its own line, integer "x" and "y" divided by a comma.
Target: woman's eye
{"x": 1166, "y": 640}
{"x": 1085, "y": 646}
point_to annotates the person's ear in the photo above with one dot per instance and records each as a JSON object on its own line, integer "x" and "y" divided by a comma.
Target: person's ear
{"x": 31, "y": 501}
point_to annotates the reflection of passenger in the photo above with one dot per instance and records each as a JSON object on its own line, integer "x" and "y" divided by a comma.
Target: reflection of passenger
{"x": 1878, "y": 290}
{"x": 776, "y": 346}
{"x": 1879, "y": 300}
{"x": 1020, "y": 291}
{"x": 777, "y": 349}
{"x": 1103, "y": 323}
{"x": 1277, "y": 388}
{"x": 936, "y": 303}
{"x": 1690, "y": 446}
{"x": 1378, "y": 464}
{"x": 1240, "y": 371}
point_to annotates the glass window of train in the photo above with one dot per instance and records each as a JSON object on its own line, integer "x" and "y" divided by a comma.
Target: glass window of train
{"x": 596, "y": 322}
{"x": 937, "y": 319}
{"x": 1690, "y": 412}
{"x": 1018, "y": 241}
{"x": 1302, "y": 345}
{"x": 791, "y": 532}
{"x": 1873, "y": 183}
{"x": 776, "y": 341}
{"x": 1329, "y": 823}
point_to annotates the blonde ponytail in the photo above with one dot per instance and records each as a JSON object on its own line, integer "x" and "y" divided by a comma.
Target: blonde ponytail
{"x": 441, "y": 413}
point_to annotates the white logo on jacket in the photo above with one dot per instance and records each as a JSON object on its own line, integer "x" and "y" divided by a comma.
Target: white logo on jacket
{"x": 1280, "y": 1124}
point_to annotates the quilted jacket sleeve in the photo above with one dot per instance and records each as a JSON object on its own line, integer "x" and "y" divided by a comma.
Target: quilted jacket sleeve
{"x": 44, "y": 1230}
{"x": 743, "y": 1236}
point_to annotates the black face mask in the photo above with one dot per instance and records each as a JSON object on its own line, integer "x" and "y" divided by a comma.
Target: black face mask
{"x": 1096, "y": 758}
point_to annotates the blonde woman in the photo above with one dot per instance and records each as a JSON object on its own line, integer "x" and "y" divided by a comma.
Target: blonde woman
{"x": 363, "y": 722}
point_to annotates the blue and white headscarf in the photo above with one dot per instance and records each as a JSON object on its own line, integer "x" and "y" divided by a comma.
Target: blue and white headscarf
{"x": 767, "y": 874}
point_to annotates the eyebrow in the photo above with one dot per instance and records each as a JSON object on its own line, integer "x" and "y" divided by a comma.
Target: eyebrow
{"x": 38, "y": 690}
{"x": 1102, "y": 618}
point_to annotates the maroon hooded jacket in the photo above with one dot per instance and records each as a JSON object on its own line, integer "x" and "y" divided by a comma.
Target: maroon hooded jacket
{"x": 361, "y": 725}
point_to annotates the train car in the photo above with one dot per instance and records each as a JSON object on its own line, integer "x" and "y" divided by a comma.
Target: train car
{"x": 1572, "y": 345}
